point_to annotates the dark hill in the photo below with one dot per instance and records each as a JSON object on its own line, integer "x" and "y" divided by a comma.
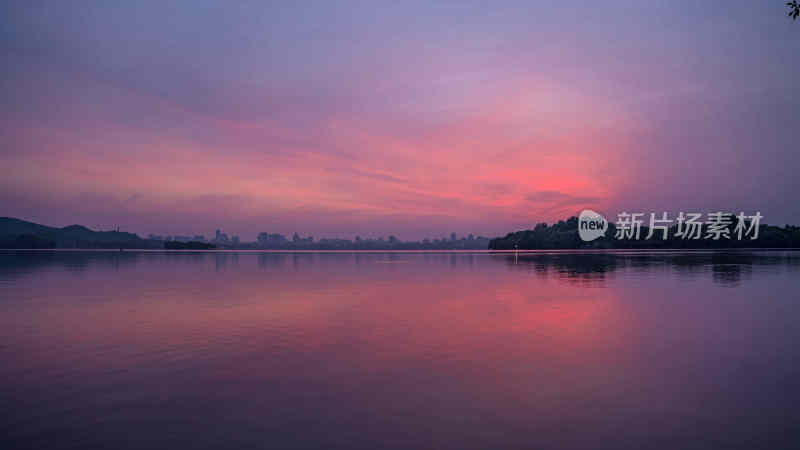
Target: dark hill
{"x": 10, "y": 225}
{"x": 16, "y": 233}
{"x": 564, "y": 235}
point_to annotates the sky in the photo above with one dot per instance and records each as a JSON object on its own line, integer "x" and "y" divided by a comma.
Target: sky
{"x": 413, "y": 118}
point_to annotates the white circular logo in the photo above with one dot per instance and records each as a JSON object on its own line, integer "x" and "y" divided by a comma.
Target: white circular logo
{"x": 591, "y": 225}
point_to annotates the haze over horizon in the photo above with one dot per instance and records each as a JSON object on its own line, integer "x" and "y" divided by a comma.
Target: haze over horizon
{"x": 378, "y": 118}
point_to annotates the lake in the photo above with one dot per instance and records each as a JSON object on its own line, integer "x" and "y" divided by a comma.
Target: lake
{"x": 552, "y": 350}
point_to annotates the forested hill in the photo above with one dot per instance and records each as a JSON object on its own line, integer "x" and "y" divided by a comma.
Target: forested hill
{"x": 564, "y": 235}
{"x": 16, "y": 233}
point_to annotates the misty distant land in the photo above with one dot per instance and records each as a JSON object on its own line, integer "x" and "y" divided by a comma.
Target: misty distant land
{"x": 21, "y": 234}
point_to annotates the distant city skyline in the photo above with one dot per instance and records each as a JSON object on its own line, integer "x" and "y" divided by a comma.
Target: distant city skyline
{"x": 221, "y": 236}
{"x": 415, "y": 119}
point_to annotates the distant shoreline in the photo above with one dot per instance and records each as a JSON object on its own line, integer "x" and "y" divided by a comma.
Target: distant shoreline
{"x": 484, "y": 252}
{"x": 17, "y": 234}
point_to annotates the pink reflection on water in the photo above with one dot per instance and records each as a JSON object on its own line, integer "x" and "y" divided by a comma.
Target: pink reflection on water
{"x": 416, "y": 349}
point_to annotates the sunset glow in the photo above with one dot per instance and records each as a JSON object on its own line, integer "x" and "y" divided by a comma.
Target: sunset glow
{"x": 382, "y": 119}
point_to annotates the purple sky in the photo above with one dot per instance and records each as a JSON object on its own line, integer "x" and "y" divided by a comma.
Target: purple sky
{"x": 406, "y": 118}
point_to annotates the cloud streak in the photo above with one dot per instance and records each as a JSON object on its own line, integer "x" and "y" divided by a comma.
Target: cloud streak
{"x": 410, "y": 119}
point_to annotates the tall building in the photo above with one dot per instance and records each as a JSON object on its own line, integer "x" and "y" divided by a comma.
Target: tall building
{"x": 221, "y": 237}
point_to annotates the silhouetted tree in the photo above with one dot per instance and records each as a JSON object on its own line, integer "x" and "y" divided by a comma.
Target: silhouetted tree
{"x": 564, "y": 235}
{"x": 794, "y": 9}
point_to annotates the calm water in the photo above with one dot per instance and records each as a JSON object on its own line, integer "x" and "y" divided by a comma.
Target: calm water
{"x": 395, "y": 350}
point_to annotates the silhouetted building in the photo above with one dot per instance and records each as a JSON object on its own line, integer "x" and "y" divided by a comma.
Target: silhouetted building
{"x": 221, "y": 237}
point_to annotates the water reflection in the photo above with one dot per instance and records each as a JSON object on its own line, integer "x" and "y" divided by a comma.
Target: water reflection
{"x": 399, "y": 350}
{"x": 727, "y": 268}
